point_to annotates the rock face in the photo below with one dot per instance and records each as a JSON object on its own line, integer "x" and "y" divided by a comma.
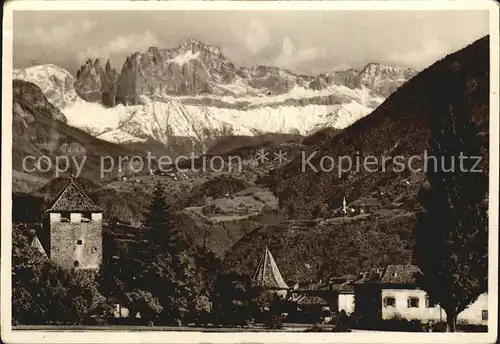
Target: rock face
{"x": 95, "y": 83}
{"x": 191, "y": 69}
{"x": 384, "y": 80}
{"x": 381, "y": 79}
{"x": 27, "y": 98}
{"x": 196, "y": 69}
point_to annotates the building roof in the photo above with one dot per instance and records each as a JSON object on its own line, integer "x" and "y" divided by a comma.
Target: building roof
{"x": 343, "y": 288}
{"x": 311, "y": 300}
{"x": 38, "y": 246}
{"x": 267, "y": 274}
{"x": 74, "y": 200}
{"x": 400, "y": 274}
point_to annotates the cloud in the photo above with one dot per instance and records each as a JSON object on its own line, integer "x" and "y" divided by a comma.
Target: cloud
{"x": 429, "y": 52}
{"x": 58, "y": 35}
{"x": 124, "y": 44}
{"x": 257, "y": 37}
{"x": 291, "y": 58}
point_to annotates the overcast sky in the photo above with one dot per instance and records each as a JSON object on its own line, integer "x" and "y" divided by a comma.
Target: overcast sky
{"x": 305, "y": 42}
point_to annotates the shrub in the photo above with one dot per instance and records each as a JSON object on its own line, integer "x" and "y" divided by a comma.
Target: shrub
{"x": 397, "y": 323}
{"x": 274, "y": 322}
{"x": 439, "y": 327}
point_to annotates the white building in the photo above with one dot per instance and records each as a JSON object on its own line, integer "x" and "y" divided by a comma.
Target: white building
{"x": 393, "y": 292}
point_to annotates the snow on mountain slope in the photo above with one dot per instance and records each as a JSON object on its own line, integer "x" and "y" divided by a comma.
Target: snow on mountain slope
{"x": 159, "y": 118}
{"x": 56, "y": 83}
{"x": 184, "y": 58}
{"x": 156, "y": 119}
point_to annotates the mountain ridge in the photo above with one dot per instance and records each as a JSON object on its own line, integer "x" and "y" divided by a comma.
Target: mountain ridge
{"x": 206, "y": 70}
{"x": 194, "y": 93}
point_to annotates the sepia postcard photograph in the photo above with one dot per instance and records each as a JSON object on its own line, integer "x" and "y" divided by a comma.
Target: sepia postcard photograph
{"x": 250, "y": 172}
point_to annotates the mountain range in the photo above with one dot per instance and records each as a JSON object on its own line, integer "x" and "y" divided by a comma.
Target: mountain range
{"x": 194, "y": 93}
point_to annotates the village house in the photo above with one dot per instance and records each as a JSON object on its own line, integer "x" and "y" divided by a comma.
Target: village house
{"x": 72, "y": 232}
{"x": 343, "y": 294}
{"x": 335, "y": 295}
{"x": 383, "y": 294}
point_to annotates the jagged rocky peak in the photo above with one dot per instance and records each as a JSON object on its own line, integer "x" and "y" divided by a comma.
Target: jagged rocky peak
{"x": 194, "y": 68}
{"x": 375, "y": 68}
{"x": 109, "y": 69}
{"x": 273, "y": 79}
{"x": 349, "y": 78}
{"x": 196, "y": 45}
{"x": 153, "y": 50}
{"x": 385, "y": 79}
{"x": 95, "y": 83}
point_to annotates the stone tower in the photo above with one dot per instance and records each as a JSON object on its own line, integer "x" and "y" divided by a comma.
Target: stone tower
{"x": 268, "y": 276}
{"x": 74, "y": 230}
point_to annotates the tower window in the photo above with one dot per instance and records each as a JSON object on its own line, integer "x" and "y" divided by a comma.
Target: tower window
{"x": 76, "y": 263}
{"x": 79, "y": 242}
{"x": 86, "y": 216}
{"x": 65, "y": 216}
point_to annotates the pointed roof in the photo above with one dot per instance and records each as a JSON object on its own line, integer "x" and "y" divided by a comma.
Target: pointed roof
{"x": 38, "y": 246}
{"x": 267, "y": 274}
{"x": 74, "y": 200}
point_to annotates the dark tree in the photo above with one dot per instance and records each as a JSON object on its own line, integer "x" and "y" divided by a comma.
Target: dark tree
{"x": 165, "y": 278}
{"x": 26, "y": 208}
{"x": 451, "y": 233}
{"x": 160, "y": 227}
{"x": 167, "y": 272}
{"x": 232, "y": 299}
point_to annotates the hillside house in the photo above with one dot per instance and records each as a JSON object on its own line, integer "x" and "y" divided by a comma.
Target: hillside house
{"x": 383, "y": 294}
{"x": 72, "y": 231}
